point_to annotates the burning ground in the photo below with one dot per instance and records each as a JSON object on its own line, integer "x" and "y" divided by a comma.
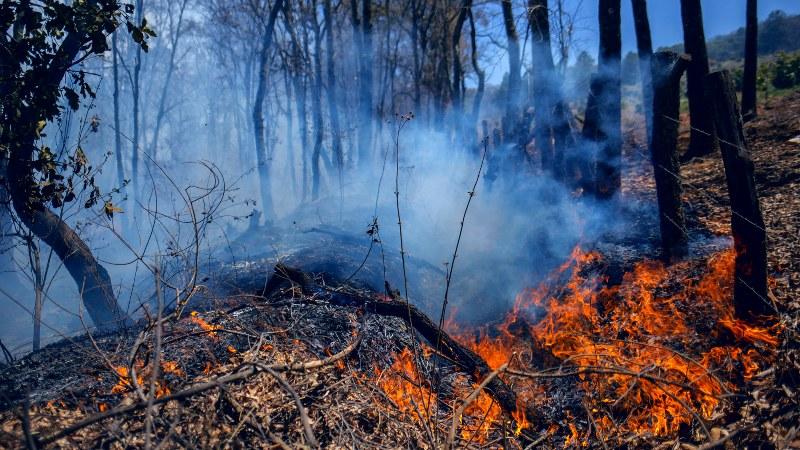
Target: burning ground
{"x": 612, "y": 349}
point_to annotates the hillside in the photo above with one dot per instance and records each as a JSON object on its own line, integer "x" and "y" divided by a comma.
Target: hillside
{"x": 779, "y": 32}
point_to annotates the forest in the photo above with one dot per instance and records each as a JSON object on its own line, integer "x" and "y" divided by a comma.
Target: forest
{"x": 511, "y": 224}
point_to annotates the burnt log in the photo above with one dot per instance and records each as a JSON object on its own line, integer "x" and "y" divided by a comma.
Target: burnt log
{"x": 667, "y": 69}
{"x": 467, "y": 360}
{"x": 750, "y": 293}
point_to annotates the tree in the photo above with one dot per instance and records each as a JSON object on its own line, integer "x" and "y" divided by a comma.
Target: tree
{"x": 512, "y": 119}
{"x": 749, "y": 110}
{"x": 703, "y": 138}
{"x": 176, "y": 31}
{"x": 458, "y": 73}
{"x": 40, "y": 46}
{"x": 333, "y": 101}
{"x": 609, "y": 100}
{"x": 644, "y": 47}
{"x": 478, "y": 98}
{"x": 362, "y": 31}
{"x": 258, "y": 113}
{"x": 551, "y": 127}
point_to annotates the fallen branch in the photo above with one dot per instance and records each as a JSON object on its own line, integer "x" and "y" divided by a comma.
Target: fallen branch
{"x": 470, "y": 362}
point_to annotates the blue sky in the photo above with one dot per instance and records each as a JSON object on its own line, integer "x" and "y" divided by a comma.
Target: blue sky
{"x": 719, "y": 17}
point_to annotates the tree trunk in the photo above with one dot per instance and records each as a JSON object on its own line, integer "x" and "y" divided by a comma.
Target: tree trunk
{"x": 513, "y": 94}
{"x": 162, "y": 103}
{"x": 644, "y": 46}
{"x": 362, "y": 28}
{"x": 258, "y": 115}
{"x": 609, "y": 101}
{"x": 298, "y": 57}
{"x": 551, "y": 131}
{"x": 457, "y": 88}
{"x": 117, "y": 130}
{"x": 136, "y": 91}
{"x": 476, "y": 101}
{"x": 91, "y": 278}
{"x": 667, "y": 70}
{"x": 703, "y": 139}
{"x": 333, "y": 107}
{"x": 316, "y": 104}
{"x": 543, "y": 73}
{"x": 749, "y": 108}
{"x": 750, "y": 293}
{"x": 35, "y": 262}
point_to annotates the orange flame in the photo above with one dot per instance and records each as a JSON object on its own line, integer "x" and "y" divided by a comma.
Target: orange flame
{"x": 643, "y": 339}
{"x": 194, "y": 316}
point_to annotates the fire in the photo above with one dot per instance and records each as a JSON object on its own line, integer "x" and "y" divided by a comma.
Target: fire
{"x": 173, "y": 368}
{"x": 402, "y": 385}
{"x": 125, "y": 382}
{"x": 655, "y": 370}
{"x": 194, "y": 316}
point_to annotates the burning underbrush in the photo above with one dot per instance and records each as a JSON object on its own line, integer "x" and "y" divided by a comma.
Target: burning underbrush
{"x": 656, "y": 359}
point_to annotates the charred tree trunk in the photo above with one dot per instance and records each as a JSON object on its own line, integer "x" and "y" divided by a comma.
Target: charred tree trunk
{"x": 703, "y": 139}
{"x": 259, "y": 127}
{"x": 333, "y": 107}
{"x": 552, "y": 131}
{"x": 667, "y": 70}
{"x": 608, "y": 179}
{"x": 581, "y": 167}
{"x": 750, "y": 293}
{"x": 543, "y": 73}
{"x": 749, "y": 108}
{"x": 644, "y": 47}
{"x": 512, "y": 118}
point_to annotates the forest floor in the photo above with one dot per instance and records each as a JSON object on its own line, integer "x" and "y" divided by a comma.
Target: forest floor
{"x": 345, "y": 396}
